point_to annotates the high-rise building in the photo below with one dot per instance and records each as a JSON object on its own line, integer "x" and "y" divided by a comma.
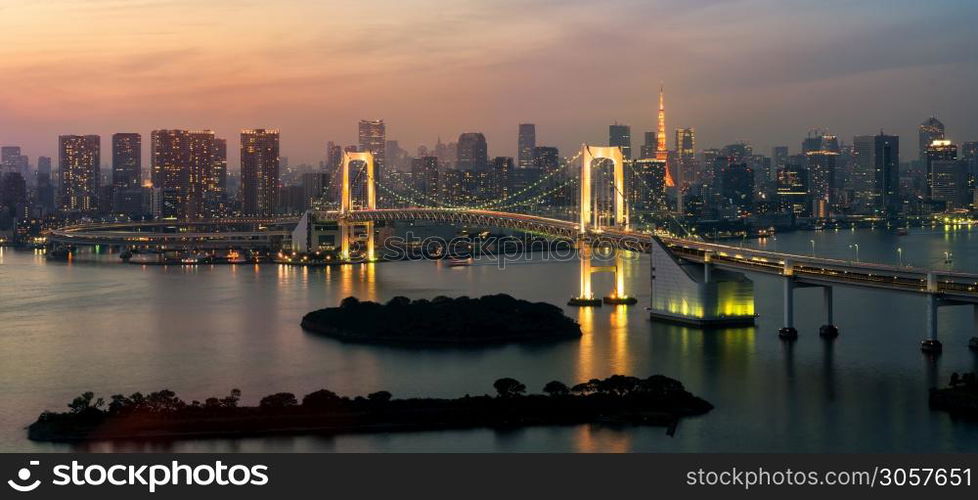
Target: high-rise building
{"x": 937, "y": 150}
{"x": 259, "y": 171}
{"x": 930, "y": 130}
{"x": 546, "y": 158}
{"x": 621, "y": 136}
{"x": 373, "y": 138}
{"x": 685, "y": 142}
{"x": 126, "y": 160}
{"x": 334, "y": 156}
{"x": 424, "y": 174}
{"x": 9, "y": 158}
{"x": 738, "y": 186}
{"x": 526, "y": 142}
{"x": 216, "y": 199}
{"x": 647, "y": 149}
{"x": 685, "y": 161}
{"x": 793, "y": 189}
{"x": 821, "y": 152}
{"x": 499, "y": 181}
{"x": 779, "y": 159}
{"x": 188, "y": 171}
{"x": 886, "y": 163}
{"x": 170, "y": 171}
{"x": 472, "y": 152}
{"x": 13, "y": 194}
{"x": 79, "y": 158}
{"x": 950, "y": 183}
{"x": 44, "y": 198}
{"x": 863, "y": 175}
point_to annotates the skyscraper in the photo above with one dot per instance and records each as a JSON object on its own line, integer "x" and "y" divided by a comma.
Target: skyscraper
{"x": 939, "y": 150}
{"x": 216, "y": 180}
{"x": 621, "y": 136}
{"x": 685, "y": 162}
{"x": 259, "y": 171}
{"x": 930, "y": 130}
{"x": 779, "y": 159}
{"x": 863, "y": 177}
{"x": 186, "y": 170}
{"x": 472, "y": 152}
{"x": 821, "y": 151}
{"x": 424, "y": 174}
{"x": 373, "y": 138}
{"x": 886, "y": 163}
{"x": 526, "y": 142}
{"x": 78, "y": 163}
{"x": 126, "y": 160}
{"x": 499, "y": 180}
{"x": 334, "y": 156}
{"x": 647, "y": 149}
{"x": 10, "y": 158}
{"x": 685, "y": 142}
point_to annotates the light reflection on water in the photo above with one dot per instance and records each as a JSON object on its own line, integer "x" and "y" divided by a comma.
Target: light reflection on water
{"x": 202, "y": 330}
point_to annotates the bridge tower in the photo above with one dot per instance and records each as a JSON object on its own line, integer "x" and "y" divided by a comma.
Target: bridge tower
{"x": 590, "y": 222}
{"x": 347, "y": 228}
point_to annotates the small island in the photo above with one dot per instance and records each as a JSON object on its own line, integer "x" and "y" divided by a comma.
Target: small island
{"x": 616, "y": 400}
{"x": 959, "y": 398}
{"x": 443, "y": 320}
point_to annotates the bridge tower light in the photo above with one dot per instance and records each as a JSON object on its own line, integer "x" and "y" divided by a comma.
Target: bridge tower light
{"x": 346, "y": 203}
{"x": 589, "y": 222}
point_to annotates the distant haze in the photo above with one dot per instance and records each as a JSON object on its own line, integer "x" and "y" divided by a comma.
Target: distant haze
{"x": 763, "y": 71}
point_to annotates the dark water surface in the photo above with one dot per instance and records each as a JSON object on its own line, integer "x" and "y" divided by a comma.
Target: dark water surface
{"x": 109, "y": 327}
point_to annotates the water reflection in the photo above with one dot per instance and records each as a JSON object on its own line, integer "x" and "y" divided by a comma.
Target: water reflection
{"x": 596, "y": 438}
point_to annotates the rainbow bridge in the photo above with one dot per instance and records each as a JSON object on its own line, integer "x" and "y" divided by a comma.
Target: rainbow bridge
{"x": 688, "y": 275}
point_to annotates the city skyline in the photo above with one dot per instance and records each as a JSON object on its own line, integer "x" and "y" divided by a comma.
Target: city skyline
{"x": 414, "y": 71}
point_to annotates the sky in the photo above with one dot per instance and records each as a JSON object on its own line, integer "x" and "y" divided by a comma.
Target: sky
{"x": 761, "y": 71}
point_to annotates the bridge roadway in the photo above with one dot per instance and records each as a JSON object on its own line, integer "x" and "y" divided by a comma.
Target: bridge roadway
{"x": 951, "y": 286}
{"x": 204, "y": 233}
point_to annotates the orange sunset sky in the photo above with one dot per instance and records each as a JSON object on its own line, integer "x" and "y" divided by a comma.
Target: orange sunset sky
{"x": 764, "y": 71}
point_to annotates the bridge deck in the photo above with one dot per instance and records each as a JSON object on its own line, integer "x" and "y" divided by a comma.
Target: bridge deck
{"x": 954, "y": 286}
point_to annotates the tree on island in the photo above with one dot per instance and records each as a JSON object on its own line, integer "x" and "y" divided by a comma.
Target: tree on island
{"x": 83, "y": 403}
{"x": 278, "y": 401}
{"x": 379, "y": 397}
{"x": 556, "y": 388}
{"x": 509, "y": 387}
{"x": 321, "y": 399}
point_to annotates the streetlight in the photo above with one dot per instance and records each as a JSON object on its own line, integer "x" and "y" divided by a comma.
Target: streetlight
{"x": 813, "y": 247}
{"x": 857, "y": 251}
{"x": 900, "y": 253}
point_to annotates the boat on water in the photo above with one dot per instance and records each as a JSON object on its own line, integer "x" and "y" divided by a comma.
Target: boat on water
{"x": 145, "y": 258}
{"x": 902, "y": 231}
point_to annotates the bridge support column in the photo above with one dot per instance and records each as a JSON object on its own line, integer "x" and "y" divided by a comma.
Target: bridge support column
{"x": 371, "y": 252}
{"x": 931, "y": 344}
{"x": 346, "y": 235}
{"x": 586, "y": 297}
{"x": 618, "y": 296}
{"x": 788, "y": 331}
{"x": 828, "y": 330}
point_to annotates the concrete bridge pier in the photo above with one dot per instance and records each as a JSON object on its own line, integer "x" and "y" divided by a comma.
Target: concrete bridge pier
{"x": 788, "y": 331}
{"x": 931, "y": 344}
{"x": 828, "y": 330}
